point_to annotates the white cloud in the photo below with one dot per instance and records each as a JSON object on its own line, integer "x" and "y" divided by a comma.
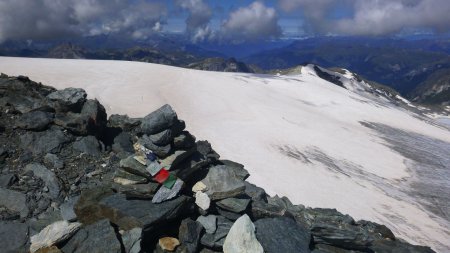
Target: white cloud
{"x": 197, "y": 23}
{"x": 250, "y": 23}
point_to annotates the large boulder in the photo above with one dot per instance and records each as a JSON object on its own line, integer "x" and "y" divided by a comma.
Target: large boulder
{"x": 69, "y": 99}
{"x": 280, "y": 235}
{"x": 241, "y": 237}
{"x": 159, "y": 120}
{"x": 39, "y": 143}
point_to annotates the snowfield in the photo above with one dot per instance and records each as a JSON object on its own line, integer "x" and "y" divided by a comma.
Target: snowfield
{"x": 300, "y": 136}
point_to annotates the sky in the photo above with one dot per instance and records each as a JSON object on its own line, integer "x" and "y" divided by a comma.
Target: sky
{"x": 220, "y": 20}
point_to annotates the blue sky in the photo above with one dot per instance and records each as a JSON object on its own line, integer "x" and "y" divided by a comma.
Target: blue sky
{"x": 221, "y": 20}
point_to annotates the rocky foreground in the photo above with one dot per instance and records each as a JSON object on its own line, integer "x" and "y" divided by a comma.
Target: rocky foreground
{"x": 72, "y": 180}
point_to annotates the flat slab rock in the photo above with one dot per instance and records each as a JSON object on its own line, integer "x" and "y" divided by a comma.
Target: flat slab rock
{"x": 280, "y": 235}
{"x": 48, "y": 176}
{"x": 53, "y": 234}
{"x": 222, "y": 182}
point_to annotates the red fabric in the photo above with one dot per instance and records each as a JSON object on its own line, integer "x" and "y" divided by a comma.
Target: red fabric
{"x": 162, "y": 176}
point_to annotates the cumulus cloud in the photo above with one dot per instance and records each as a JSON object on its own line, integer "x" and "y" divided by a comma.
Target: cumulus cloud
{"x": 47, "y": 19}
{"x": 372, "y": 17}
{"x": 251, "y": 23}
{"x": 197, "y": 22}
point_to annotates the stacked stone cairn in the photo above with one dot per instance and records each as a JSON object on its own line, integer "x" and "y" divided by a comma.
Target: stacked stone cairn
{"x": 72, "y": 181}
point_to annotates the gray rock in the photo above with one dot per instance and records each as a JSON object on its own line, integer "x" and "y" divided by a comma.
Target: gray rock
{"x": 7, "y": 180}
{"x": 222, "y": 182}
{"x": 202, "y": 200}
{"x": 53, "y": 234}
{"x": 162, "y": 138}
{"x": 264, "y": 210}
{"x": 67, "y": 211}
{"x": 95, "y": 238}
{"x": 164, "y": 193}
{"x": 396, "y": 246}
{"x": 123, "y": 144}
{"x": 184, "y": 141}
{"x": 53, "y": 161}
{"x": 128, "y": 214}
{"x": 3, "y": 153}
{"x": 88, "y": 145}
{"x": 43, "y": 220}
{"x": 125, "y": 178}
{"x": 238, "y": 168}
{"x": 241, "y": 237}
{"x": 217, "y": 239}
{"x": 209, "y": 223}
{"x": 14, "y": 237}
{"x": 131, "y": 240}
{"x": 138, "y": 191}
{"x": 229, "y": 215}
{"x": 160, "y": 151}
{"x": 282, "y": 235}
{"x": 39, "y": 143}
{"x": 69, "y": 99}
{"x": 323, "y": 248}
{"x": 171, "y": 162}
{"x": 189, "y": 235}
{"x": 123, "y": 122}
{"x": 255, "y": 192}
{"x": 341, "y": 236}
{"x": 233, "y": 204}
{"x": 14, "y": 201}
{"x": 159, "y": 120}
{"x": 90, "y": 121}
{"x": 35, "y": 120}
{"x": 48, "y": 176}
{"x": 130, "y": 165}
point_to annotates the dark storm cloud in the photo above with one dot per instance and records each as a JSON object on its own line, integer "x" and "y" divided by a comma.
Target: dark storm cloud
{"x": 372, "y": 17}
{"x": 44, "y": 19}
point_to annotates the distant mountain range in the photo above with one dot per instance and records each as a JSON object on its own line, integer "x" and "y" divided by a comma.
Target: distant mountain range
{"x": 419, "y": 69}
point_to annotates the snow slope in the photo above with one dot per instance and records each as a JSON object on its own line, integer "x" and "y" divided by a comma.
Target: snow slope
{"x": 299, "y": 136}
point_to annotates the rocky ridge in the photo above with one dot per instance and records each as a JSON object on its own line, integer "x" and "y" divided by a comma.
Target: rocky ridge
{"x": 72, "y": 180}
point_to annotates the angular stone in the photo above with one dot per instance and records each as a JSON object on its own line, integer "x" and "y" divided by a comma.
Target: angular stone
{"x": 14, "y": 201}
{"x": 125, "y": 178}
{"x": 141, "y": 159}
{"x": 229, "y": 215}
{"x": 241, "y": 237}
{"x": 184, "y": 141}
{"x": 123, "y": 122}
{"x": 168, "y": 243}
{"x": 35, "y": 120}
{"x": 7, "y": 180}
{"x": 162, "y": 138}
{"x": 233, "y": 204}
{"x": 189, "y": 235}
{"x": 13, "y": 237}
{"x": 160, "y": 151}
{"x": 341, "y": 236}
{"x": 98, "y": 237}
{"x": 53, "y": 161}
{"x": 202, "y": 200}
{"x": 264, "y": 210}
{"x": 44, "y": 219}
{"x": 69, "y": 99}
{"x": 153, "y": 168}
{"x": 48, "y": 176}
{"x": 39, "y": 143}
{"x": 199, "y": 187}
{"x": 222, "y": 182}
{"x": 130, "y": 165}
{"x": 137, "y": 191}
{"x": 131, "y": 240}
{"x": 209, "y": 223}
{"x": 67, "y": 211}
{"x": 255, "y": 192}
{"x": 238, "y": 168}
{"x": 175, "y": 159}
{"x": 53, "y": 234}
{"x": 128, "y": 214}
{"x": 159, "y": 120}
{"x": 122, "y": 143}
{"x": 164, "y": 193}
{"x": 217, "y": 239}
{"x": 88, "y": 145}
{"x": 282, "y": 235}
{"x": 397, "y": 246}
